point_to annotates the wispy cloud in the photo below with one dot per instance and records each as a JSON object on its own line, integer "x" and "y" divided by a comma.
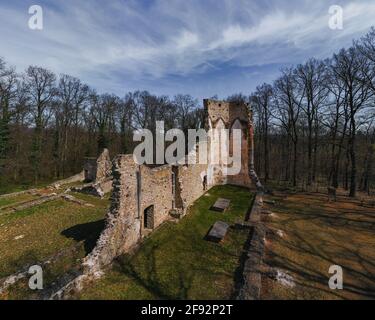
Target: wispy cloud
{"x": 169, "y": 46}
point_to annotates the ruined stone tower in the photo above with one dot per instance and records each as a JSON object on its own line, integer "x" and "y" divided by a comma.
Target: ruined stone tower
{"x": 228, "y": 115}
{"x": 144, "y": 197}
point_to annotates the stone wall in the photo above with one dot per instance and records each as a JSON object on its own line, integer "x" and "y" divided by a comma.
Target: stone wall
{"x": 89, "y": 169}
{"x": 137, "y": 188}
{"x": 103, "y": 166}
{"x": 105, "y": 185}
{"x": 251, "y": 282}
{"x": 241, "y": 179}
{"x": 76, "y": 178}
{"x": 156, "y": 190}
{"x": 217, "y": 110}
{"x": 228, "y": 115}
{"x": 97, "y": 169}
{"x": 189, "y": 184}
{"x": 98, "y": 173}
{"x": 123, "y": 224}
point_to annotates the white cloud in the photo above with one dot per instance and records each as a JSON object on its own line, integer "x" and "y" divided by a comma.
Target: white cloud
{"x": 125, "y": 40}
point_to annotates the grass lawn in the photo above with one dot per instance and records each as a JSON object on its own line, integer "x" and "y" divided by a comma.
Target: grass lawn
{"x": 37, "y": 233}
{"x": 4, "y": 202}
{"x": 9, "y": 187}
{"x": 319, "y": 234}
{"x": 175, "y": 262}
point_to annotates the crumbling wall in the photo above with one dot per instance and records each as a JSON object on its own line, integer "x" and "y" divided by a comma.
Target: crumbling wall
{"x": 98, "y": 173}
{"x": 251, "y": 278}
{"x": 97, "y": 169}
{"x": 241, "y": 179}
{"x": 227, "y": 115}
{"x": 123, "y": 223}
{"x": 105, "y": 185}
{"x": 89, "y": 169}
{"x": 156, "y": 190}
{"x": 79, "y": 177}
{"x": 190, "y": 182}
{"x": 136, "y": 188}
{"x": 103, "y": 166}
{"x": 217, "y": 110}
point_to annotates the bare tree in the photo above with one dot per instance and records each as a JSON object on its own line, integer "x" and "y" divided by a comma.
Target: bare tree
{"x": 71, "y": 94}
{"x": 8, "y": 91}
{"x": 336, "y": 119}
{"x": 41, "y": 88}
{"x": 184, "y": 105}
{"x": 311, "y": 78}
{"x": 102, "y": 111}
{"x": 125, "y": 111}
{"x": 289, "y": 102}
{"x": 350, "y": 67}
{"x": 262, "y": 99}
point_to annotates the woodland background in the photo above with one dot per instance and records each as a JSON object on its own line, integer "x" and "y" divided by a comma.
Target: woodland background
{"x": 314, "y": 125}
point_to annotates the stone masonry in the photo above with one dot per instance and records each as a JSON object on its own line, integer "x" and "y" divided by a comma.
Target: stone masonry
{"x": 98, "y": 175}
{"x": 103, "y": 166}
{"x": 143, "y": 194}
{"x": 228, "y": 115}
{"x": 98, "y": 169}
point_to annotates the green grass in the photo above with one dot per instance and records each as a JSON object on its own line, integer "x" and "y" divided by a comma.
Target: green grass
{"x": 91, "y": 199}
{"x": 176, "y": 262}
{"x": 17, "y": 199}
{"x": 66, "y": 263}
{"x": 9, "y": 187}
{"x": 47, "y": 229}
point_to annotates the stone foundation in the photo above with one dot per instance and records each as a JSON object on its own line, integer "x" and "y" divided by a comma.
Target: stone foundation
{"x": 251, "y": 284}
{"x": 136, "y": 189}
{"x": 76, "y": 178}
{"x": 144, "y": 197}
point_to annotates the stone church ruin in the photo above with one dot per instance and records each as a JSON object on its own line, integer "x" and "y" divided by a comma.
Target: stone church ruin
{"x": 97, "y": 173}
{"x": 144, "y": 197}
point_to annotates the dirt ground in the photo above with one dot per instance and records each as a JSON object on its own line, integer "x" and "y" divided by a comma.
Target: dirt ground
{"x": 306, "y": 235}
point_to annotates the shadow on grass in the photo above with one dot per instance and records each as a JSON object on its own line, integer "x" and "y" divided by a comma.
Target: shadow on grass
{"x": 86, "y": 232}
{"x": 364, "y": 284}
{"x": 149, "y": 275}
{"x": 238, "y": 274}
{"x": 22, "y": 263}
{"x": 328, "y": 242}
{"x": 151, "y": 281}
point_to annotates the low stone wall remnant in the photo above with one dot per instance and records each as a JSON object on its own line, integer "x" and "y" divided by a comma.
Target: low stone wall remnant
{"x": 144, "y": 197}
{"x": 251, "y": 284}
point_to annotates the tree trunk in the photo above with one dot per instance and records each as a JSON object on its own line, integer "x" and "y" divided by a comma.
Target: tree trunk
{"x": 352, "y": 153}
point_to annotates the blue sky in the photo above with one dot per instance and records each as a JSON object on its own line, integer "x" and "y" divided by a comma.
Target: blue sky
{"x": 199, "y": 47}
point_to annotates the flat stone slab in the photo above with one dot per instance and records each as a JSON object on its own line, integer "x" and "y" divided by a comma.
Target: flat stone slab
{"x": 221, "y": 205}
{"x": 218, "y": 231}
